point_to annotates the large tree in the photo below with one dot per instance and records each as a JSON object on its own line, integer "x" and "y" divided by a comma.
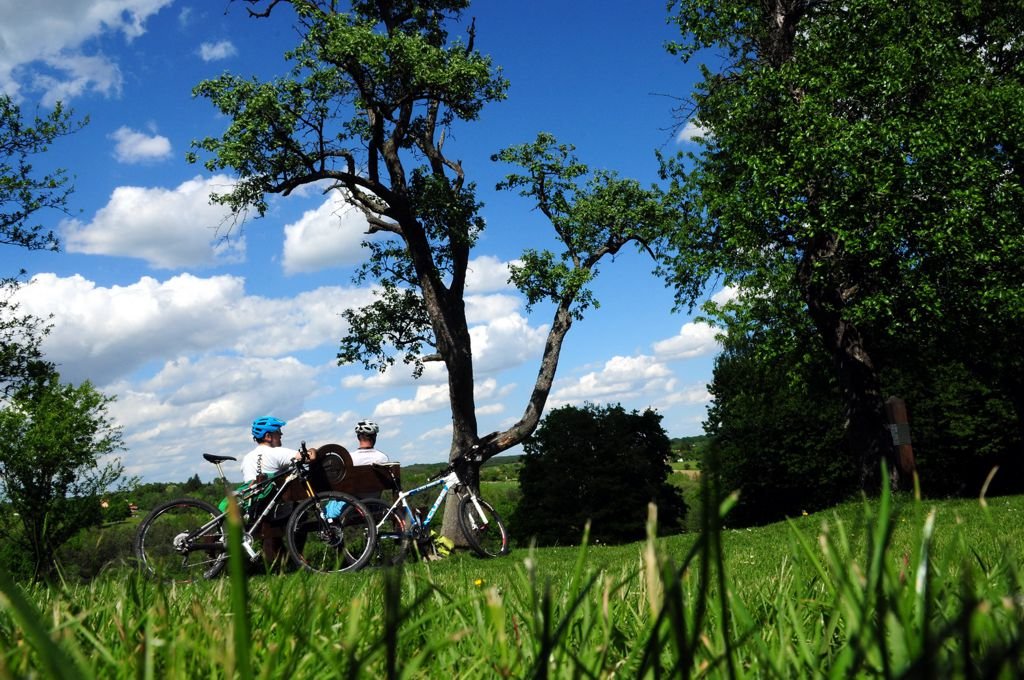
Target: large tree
{"x": 374, "y": 92}
{"x": 866, "y": 154}
{"x": 52, "y": 466}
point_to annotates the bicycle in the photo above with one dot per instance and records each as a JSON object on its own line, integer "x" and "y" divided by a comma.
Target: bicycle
{"x": 400, "y": 524}
{"x": 186, "y": 537}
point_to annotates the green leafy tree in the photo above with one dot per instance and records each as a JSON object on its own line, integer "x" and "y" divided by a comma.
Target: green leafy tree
{"x": 597, "y": 464}
{"x": 193, "y": 484}
{"x": 26, "y": 194}
{"x": 865, "y": 154}
{"x": 372, "y": 97}
{"x": 21, "y": 358}
{"x": 52, "y": 469}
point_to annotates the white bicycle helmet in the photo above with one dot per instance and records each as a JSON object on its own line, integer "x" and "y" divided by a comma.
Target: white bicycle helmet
{"x": 367, "y": 427}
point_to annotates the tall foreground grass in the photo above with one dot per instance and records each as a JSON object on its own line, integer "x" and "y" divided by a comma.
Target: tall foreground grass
{"x": 879, "y": 589}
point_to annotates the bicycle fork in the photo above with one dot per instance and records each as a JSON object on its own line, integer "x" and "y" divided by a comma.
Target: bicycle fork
{"x": 478, "y": 518}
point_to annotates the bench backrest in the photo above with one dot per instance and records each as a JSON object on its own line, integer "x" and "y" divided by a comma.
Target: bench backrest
{"x": 336, "y": 472}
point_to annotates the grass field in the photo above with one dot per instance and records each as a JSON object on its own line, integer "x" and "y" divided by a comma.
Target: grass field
{"x": 885, "y": 588}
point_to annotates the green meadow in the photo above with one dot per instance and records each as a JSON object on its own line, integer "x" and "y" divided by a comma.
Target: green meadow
{"x": 889, "y": 587}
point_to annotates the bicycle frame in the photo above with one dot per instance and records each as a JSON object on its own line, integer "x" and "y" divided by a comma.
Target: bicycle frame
{"x": 248, "y": 494}
{"x": 450, "y": 481}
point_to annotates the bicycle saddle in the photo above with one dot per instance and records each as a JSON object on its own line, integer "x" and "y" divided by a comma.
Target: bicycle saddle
{"x": 217, "y": 459}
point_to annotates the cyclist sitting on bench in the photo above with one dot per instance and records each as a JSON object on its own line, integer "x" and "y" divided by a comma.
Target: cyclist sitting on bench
{"x": 269, "y": 457}
{"x": 367, "y": 453}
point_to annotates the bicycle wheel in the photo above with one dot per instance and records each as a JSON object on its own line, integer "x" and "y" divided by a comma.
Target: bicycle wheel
{"x": 483, "y": 528}
{"x": 392, "y": 539}
{"x": 182, "y": 540}
{"x": 331, "y": 532}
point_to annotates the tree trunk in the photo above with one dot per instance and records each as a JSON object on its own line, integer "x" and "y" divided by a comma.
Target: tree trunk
{"x": 867, "y": 430}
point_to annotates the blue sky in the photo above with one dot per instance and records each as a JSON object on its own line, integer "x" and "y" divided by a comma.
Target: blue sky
{"x": 197, "y": 334}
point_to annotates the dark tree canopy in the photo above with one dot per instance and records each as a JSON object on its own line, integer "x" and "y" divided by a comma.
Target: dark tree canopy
{"x": 867, "y": 155}
{"x": 776, "y": 421}
{"x": 598, "y": 464}
{"x": 776, "y": 424}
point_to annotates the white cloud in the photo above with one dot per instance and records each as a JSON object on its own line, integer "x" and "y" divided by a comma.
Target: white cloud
{"x": 103, "y": 334}
{"x": 726, "y": 294}
{"x": 443, "y": 432}
{"x": 485, "y": 308}
{"x": 486, "y": 273}
{"x": 505, "y": 342}
{"x": 688, "y": 396}
{"x": 620, "y": 379}
{"x": 690, "y": 132}
{"x": 199, "y": 355}
{"x": 429, "y": 398}
{"x": 133, "y": 146}
{"x": 694, "y": 339}
{"x": 216, "y": 51}
{"x": 79, "y": 74}
{"x": 308, "y": 320}
{"x": 329, "y": 236}
{"x": 434, "y": 373}
{"x": 168, "y": 228}
{"x": 192, "y": 406}
{"x": 320, "y": 427}
{"x": 231, "y": 390}
{"x": 51, "y": 36}
{"x": 490, "y": 409}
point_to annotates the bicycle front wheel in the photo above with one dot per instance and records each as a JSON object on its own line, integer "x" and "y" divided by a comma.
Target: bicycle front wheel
{"x": 392, "y": 538}
{"x": 182, "y": 540}
{"x": 482, "y": 527}
{"x": 331, "y": 532}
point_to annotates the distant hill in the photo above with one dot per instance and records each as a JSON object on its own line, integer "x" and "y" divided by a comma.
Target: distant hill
{"x": 689, "y": 447}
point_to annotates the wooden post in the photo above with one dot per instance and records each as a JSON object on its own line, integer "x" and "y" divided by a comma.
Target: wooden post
{"x": 899, "y": 426}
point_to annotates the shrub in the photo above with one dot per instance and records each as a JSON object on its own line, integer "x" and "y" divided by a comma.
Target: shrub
{"x": 600, "y": 464}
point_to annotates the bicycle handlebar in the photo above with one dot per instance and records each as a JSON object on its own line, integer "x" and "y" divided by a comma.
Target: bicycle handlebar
{"x": 461, "y": 459}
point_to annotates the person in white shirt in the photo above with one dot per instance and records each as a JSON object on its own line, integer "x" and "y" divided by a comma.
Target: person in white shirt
{"x": 269, "y": 457}
{"x": 367, "y": 453}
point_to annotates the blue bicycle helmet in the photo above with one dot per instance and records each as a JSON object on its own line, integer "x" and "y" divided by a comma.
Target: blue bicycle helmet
{"x": 261, "y": 426}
